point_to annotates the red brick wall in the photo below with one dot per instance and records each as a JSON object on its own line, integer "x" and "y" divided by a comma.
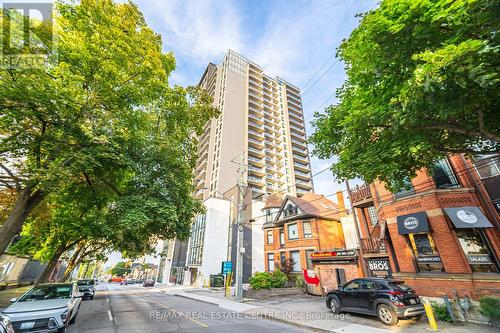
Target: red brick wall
{"x": 328, "y": 277}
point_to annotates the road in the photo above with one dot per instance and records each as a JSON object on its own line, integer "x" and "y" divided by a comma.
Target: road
{"x": 148, "y": 310}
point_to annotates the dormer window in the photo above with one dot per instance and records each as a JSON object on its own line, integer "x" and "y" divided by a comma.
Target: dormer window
{"x": 269, "y": 216}
{"x": 290, "y": 210}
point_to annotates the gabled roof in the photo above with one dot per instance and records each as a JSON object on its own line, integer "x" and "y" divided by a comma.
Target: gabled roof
{"x": 310, "y": 205}
{"x": 273, "y": 201}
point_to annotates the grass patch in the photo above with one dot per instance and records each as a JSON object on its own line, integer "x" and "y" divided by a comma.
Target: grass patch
{"x": 7, "y": 294}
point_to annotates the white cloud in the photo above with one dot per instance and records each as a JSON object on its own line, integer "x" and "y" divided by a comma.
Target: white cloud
{"x": 199, "y": 30}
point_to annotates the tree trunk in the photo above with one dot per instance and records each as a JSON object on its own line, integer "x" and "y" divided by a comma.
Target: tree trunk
{"x": 73, "y": 262}
{"x": 44, "y": 277}
{"x": 25, "y": 202}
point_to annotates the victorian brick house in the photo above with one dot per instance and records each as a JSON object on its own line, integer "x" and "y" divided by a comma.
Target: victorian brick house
{"x": 440, "y": 233}
{"x": 297, "y": 227}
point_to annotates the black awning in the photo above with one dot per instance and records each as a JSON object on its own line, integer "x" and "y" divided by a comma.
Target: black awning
{"x": 412, "y": 223}
{"x": 467, "y": 217}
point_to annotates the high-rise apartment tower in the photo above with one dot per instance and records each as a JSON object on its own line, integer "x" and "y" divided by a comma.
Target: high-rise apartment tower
{"x": 260, "y": 116}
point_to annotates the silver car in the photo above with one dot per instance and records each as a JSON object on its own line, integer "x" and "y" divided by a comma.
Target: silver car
{"x": 6, "y": 325}
{"x": 45, "y": 308}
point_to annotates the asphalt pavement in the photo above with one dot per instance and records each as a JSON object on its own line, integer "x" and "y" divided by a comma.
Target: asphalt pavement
{"x": 135, "y": 308}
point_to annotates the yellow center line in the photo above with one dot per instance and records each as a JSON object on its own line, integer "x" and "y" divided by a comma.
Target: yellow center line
{"x": 175, "y": 311}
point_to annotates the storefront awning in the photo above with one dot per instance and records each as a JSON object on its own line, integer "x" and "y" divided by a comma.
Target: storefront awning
{"x": 412, "y": 223}
{"x": 467, "y": 217}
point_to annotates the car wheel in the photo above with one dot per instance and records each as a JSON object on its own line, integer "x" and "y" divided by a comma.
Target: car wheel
{"x": 92, "y": 297}
{"x": 334, "y": 305}
{"x": 387, "y": 315}
{"x": 62, "y": 330}
{"x": 415, "y": 318}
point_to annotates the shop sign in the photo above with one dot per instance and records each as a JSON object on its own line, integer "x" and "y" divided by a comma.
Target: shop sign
{"x": 479, "y": 259}
{"x": 333, "y": 254}
{"x": 428, "y": 259}
{"x": 467, "y": 217}
{"x": 412, "y": 223}
{"x": 379, "y": 267}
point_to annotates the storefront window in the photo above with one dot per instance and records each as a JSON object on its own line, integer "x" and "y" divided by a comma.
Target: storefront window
{"x": 476, "y": 250}
{"x": 426, "y": 256}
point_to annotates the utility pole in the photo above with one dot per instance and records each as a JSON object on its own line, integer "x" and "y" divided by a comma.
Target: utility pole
{"x": 358, "y": 235}
{"x": 240, "y": 250}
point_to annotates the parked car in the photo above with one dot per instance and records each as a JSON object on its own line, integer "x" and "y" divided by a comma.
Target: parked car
{"x": 86, "y": 287}
{"x": 388, "y": 299}
{"x": 6, "y": 325}
{"x": 45, "y": 308}
{"x": 116, "y": 279}
{"x": 148, "y": 283}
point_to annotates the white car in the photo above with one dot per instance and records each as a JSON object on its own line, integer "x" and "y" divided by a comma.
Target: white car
{"x": 45, "y": 308}
{"x": 5, "y": 325}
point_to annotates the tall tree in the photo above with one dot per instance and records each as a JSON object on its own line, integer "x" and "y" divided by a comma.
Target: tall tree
{"x": 86, "y": 119}
{"x": 423, "y": 81}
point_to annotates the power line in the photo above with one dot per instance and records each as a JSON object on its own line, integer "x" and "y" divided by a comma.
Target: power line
{"x": 319, "y": 78}
{"x": 323, "y": 65}
{"x": 391, "y": 195}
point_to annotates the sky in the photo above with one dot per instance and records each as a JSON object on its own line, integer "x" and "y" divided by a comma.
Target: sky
{"x": 291, "y": 39}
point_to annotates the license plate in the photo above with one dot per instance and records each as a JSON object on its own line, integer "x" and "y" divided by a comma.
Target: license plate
{"x": 27, "y": 325}
{"x": 413, "y": 301}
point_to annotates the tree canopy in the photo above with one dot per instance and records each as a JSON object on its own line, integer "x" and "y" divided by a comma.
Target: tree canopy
{"x": 423, "y": 81}
{"x": 99, "y": 139}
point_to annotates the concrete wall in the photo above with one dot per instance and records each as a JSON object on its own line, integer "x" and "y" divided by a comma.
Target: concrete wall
{"x": 257, "y": 237}
{"x": 215, "y": 239}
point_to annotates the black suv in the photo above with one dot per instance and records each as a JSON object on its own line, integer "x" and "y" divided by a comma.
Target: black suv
{"x": 387, "y": 299}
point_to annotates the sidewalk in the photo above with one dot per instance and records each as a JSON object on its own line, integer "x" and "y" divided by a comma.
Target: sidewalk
{"x": 310, "y": 312}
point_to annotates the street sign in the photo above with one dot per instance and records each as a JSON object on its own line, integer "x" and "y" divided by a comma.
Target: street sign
{"x": 227, "y": 267}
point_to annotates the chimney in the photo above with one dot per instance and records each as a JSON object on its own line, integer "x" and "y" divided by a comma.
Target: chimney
{"x": 340, "y": 201}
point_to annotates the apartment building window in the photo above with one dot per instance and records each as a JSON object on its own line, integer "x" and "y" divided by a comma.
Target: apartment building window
{"x": 270, "y": 261}
{"x": 373, "y": 215}
{"x": 293, "y": 232}
{"x": 306, "y": 226}
{"x": 443, "y": 175}
{"x": 270, "y": 237}
{"x": 295, "y": 255}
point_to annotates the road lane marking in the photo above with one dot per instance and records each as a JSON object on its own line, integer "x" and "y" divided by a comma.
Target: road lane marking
{"x": 174, "y": 311}
{"x": 110, "y": 316}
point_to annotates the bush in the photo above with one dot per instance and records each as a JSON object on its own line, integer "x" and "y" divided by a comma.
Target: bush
{"x": 490, "y": 307}
{"x": 300, "y": 282}
{"x": 440, "y": 312}
{"x": 278, "y": 279}
{"x": 261, "y": 280}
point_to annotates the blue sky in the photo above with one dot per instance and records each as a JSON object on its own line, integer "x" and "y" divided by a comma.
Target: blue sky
{"x": 291, "y": 39}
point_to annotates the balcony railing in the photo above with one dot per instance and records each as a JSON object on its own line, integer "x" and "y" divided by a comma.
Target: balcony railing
{"x": 361, "y": 194}
{"x": 373, "y": 245}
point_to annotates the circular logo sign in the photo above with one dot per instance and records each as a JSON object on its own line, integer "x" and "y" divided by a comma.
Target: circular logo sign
{"x": 410, "y": 223}
{"x": 466, "y": 216}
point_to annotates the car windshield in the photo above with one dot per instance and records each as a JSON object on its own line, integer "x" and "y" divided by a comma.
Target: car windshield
{"x": 43, "y": 293}
{"x": 400, "y": 286}
{"x": 85, "y": 282}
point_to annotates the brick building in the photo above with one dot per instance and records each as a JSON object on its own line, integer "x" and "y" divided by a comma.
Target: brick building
{"x": 440, "y": 233}
{"x": 297, "y": 227}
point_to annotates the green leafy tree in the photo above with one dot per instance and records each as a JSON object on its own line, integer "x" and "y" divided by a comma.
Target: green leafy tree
{"x": 120, "y": 269}
{"x": 423, "y": 81}
{"x": 103, "y": 116}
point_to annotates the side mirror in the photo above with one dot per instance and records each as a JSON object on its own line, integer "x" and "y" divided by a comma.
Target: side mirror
{"x": 13, "y": 300}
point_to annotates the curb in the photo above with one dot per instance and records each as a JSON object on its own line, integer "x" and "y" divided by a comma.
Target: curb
{"x": 292, "y": 323}
{"x": 195, "y": 299}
